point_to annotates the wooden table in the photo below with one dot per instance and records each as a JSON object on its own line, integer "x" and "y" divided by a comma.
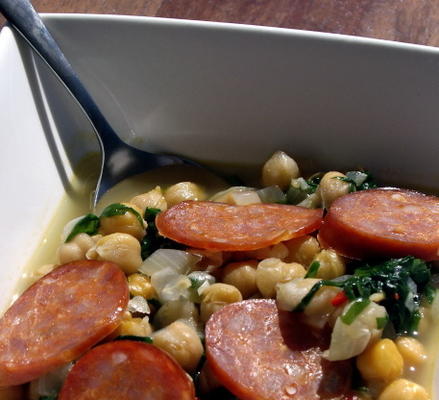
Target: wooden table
{"x": 414, "y": 21}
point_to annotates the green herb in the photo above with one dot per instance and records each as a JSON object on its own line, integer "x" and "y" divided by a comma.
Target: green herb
{"x": 120, "y": 209}
{"x": 144, "y": 339}
{"x": 354, "y": 310}
{"x": 312, "y": 270}
{"x": 153, "y": 240}
{"x": 358, "y": 180}
{"x": 429, "y": 293}
{"x": 196, "y": 283}
{"x": 314, "y": 180}
{"x": 308, "y": 297}
{"x": 88, "y": 224}
{"x": 382, "y": 322}
{"x": 300, "y": 188}
{"x": 150, "y": 214}
{"x": 404, "y": 281}
{"x": 47, "y": 397}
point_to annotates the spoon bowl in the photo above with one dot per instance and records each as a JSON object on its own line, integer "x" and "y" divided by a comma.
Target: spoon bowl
{"x": 119, "y": 159}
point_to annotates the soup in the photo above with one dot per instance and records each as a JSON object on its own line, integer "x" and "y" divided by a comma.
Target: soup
{"x": 210, "y": 267}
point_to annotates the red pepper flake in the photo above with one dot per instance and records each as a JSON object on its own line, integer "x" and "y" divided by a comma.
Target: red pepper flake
{"x": 396, "y": 296}
{"x": 339, "y": 299}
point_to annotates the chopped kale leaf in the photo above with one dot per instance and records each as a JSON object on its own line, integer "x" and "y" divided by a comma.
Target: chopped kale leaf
{"x": 88, "y": 224}
{"x": 358, "y": 180}
{"x": 404, "y": 282}
{"x": 153, "y": 240}
{"x": 144, "y": 339}
{"x": 120, "y": 209}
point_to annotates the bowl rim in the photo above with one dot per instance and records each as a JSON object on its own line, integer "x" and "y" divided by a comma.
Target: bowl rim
{"x": 240, "y": 27}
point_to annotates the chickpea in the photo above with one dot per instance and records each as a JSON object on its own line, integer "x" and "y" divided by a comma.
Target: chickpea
{"x": 272, "y": 271}
{"x": 279, "y": 169}
{"x": 331, "y": 187}
{"x": 135, "y": 327}
{"x": 84, "y": 241}
{"x": 381, "y": 361}
{"x": 152, "y": 199}
{"x": 242, "y": 275}
{"x": 69, "y": 252}
{"x": 217, "y": 296}
{"x": 411, "y": 349}
{"x": 182, "y": 342}
{"x": 140, "y": 285}
{"x": 331, "y": 265}
{"x": 120, "y": 248}
{"x": 279, "y": 251}
{"x": 130, "y": 326}
{"x": 404, "y": 389}
{"x": 97, "y": 237}
{"x": 319, "y": 310}
{"x": 126, "y": 223}
{"x": 302, "y": 250}
{"x": 183, "y": 191}
{"x": 75, "y": 249}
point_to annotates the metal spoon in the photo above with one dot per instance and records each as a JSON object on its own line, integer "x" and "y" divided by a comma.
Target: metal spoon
{"x": 119, "y": 160}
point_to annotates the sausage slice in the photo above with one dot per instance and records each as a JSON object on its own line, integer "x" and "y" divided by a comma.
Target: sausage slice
{"x": 219, "y": 226}
{"x": 260, "y": 353}
{"x": 60, "y": 317}
{"x": 383, "y": 223}
{"x": 127, "y": 370}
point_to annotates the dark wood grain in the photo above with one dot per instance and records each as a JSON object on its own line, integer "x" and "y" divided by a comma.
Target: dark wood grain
{"x": 414, "y": 21}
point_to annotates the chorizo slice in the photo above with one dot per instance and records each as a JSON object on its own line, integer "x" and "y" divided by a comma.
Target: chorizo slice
{"x": 225, "y": 227}
{"x": 59, "y": 317}
{"x": 127, "y": 370}
{"x": 260, "y": 353}
{"x": 383, "y": 223}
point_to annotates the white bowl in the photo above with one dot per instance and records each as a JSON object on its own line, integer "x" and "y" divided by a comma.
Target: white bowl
{"x": 216, "y": 92}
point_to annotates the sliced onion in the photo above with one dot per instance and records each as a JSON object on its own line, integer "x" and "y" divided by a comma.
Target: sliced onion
{"x": 170, "y": 286}
{"x": 201, "y": 277}
{"x": 226, "y": 196}
{"x": 200, "y": 280}
{"x": 177, "y": 260}
{"x": 348, "y": 341}
{"x": 176, "y": 310}
{"x": 160, "y": 278}
{"x": 69, "y": 227}
{"x": 49, "y": 384}
{"x": 312, "y": 201}
{"x": 245, "y": 197}
{"x": 177, "y": 288}
{"x": 272, "y": 194}
{"x": 139, "y": 305}
{"x": 357, "y": 176}
{"x": 410, "y": 300}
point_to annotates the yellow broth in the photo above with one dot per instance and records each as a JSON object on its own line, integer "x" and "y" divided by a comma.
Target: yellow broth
{"x": 70, "y": 208}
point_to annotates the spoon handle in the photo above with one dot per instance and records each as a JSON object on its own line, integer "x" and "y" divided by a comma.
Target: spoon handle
{"x": 28, "y": 23}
